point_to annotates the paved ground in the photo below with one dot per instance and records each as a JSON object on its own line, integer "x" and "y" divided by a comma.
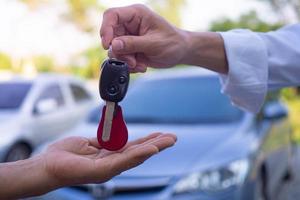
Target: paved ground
{"x": 291, "y": 189}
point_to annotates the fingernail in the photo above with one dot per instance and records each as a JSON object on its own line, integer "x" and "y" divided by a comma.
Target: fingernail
{"x": 118, "y": 45}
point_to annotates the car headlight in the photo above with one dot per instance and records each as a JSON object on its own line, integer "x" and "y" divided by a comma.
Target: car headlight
{"x": 214, "y": 180}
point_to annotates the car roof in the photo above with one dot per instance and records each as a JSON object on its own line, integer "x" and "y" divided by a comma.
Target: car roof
{"x": 40, "y": 78}
{"x": 178, "y": 72}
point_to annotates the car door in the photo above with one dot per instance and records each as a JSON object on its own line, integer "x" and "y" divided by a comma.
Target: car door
{"x": 82, "y": 101}
{"x": 49, "y": 116}
{"x": 276, "y": 145}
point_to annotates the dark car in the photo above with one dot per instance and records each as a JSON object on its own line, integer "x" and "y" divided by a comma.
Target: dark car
{"x": 222, "y": 152}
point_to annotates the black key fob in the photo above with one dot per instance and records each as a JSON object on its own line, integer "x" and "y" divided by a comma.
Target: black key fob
{"x": 114, "y": 80}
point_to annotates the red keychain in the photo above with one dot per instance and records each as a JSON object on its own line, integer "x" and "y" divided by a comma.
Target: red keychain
{"x": 112, "y": 132}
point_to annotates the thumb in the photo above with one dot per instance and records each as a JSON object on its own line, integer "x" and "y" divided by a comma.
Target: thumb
{"x": 129, "y": 44}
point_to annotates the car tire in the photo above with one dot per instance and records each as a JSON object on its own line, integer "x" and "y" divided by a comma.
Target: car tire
{"x": 18, "y": 151}
{"x": 261, "y": 187}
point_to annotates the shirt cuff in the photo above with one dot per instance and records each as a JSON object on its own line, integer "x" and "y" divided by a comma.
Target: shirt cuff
{"x": 247, "y": 78}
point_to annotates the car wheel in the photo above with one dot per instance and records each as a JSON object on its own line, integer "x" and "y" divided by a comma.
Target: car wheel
{"x": 261, "y": 187}
{"x": 18, "y": 152}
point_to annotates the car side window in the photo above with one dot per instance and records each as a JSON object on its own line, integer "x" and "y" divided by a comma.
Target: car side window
{"x": 50, "y": 99}
{"x": 53, "y": 92}
{"x": 79, "y": 93}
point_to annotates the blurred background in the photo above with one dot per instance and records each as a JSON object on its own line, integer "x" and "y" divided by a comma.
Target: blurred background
{"x": 57, "y": 42}
{"x": 62, "y": 36}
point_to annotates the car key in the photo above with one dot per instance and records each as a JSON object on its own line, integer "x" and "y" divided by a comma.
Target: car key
{"x": 112, "y": 132}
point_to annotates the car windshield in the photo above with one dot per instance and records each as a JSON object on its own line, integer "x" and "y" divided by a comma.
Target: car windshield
{"x": 13, "y": 94}
{"x": 189, "y": 100}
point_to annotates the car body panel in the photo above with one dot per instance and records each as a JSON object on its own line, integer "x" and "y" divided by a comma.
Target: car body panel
{"x": 24, "y": 125}
{"x": 200, "y": 148}
{"x": 276, "y": 152}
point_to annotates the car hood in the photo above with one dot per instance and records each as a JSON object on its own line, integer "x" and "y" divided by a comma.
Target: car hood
{"x": 194, "y": 143}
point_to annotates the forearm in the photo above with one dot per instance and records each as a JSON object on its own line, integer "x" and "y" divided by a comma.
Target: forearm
{"x": 24, "y": 178}
{"x": 206, "y": 49}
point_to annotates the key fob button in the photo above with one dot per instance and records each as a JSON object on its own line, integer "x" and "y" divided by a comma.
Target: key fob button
{"x": 122, "y": 79}
{"x": 112, "y": 90}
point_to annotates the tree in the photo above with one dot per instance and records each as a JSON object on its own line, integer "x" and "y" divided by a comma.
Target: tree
{"x": 5, "y": 61}
{"x": 79, "y": 12}
{"x": 43, "y": 63}
{"x": 281, "y": 6}
{"x": 249, "y": 20}
{"x": 169, "y": 9}
{"x": 87, "y": 64}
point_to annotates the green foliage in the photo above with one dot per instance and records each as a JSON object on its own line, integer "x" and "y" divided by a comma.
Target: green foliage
{"x": 280, "y": 8}
{"x": 290, "y": 94}
{"x": 5, "y": 61}
{"x": 78, "y": 12}
{"x": 247, "y": 21}
{"x": 43, "y": 63}
{"x": 94, "y": 57}
{"x": 169, "y": 9}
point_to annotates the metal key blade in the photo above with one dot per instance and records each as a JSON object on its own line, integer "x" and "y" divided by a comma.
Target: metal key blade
{"x": 108, "y": 118}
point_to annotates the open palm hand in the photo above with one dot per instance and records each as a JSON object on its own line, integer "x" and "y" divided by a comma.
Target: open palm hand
{"x": 78, "y": 160}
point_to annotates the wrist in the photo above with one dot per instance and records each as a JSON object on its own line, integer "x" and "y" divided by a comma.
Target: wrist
{"x": 38, "y": 176}
{"x": 25, "y": 178}
{"x": 205, "y": 49}
{"x": 47, "y": 182}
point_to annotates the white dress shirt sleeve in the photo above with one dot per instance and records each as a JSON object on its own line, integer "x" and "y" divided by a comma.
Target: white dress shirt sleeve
{"x": 258, "y": 62}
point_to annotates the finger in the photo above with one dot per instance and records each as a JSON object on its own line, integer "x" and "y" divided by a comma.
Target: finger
{"x": 110, "y": 53}
{"x": 130, "y": 44}
{"x": 136, "y": 142}
{"x": 137, "y": 156}
{"x": 157, "y": 141}
{"x": 141, "y": 64}
{"x": 144, "y": 139}
{"x": 129, "y": 59}
{"x": 125, "y": 161}
{"x": 130, "y": 144}
{"x": 94, "y": 142}
{"x": 141, "y": 69}
{"x": 112, "y": 18}
{"x": 164, "y": 142}
{"x": 143, "y": 142}
{"x": 137, "y": 70}
{"x": 120, "y": 162}
{"x": 69, "y": 143}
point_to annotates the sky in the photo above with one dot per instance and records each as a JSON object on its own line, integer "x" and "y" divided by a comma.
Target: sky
{"x": 198, "y": 14}
{"x": 24, "y": 33}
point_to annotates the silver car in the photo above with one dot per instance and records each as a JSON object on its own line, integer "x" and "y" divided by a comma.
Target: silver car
{"x": 34, "y": 111}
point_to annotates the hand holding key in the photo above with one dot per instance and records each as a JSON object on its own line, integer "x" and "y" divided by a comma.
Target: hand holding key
{"x": 114, "y": 79}
{"x": 142, "y": 38}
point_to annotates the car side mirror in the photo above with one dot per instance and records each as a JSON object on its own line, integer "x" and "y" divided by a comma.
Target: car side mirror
{"x": 274, "y": 111}
{"x": 45, "y": 106}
